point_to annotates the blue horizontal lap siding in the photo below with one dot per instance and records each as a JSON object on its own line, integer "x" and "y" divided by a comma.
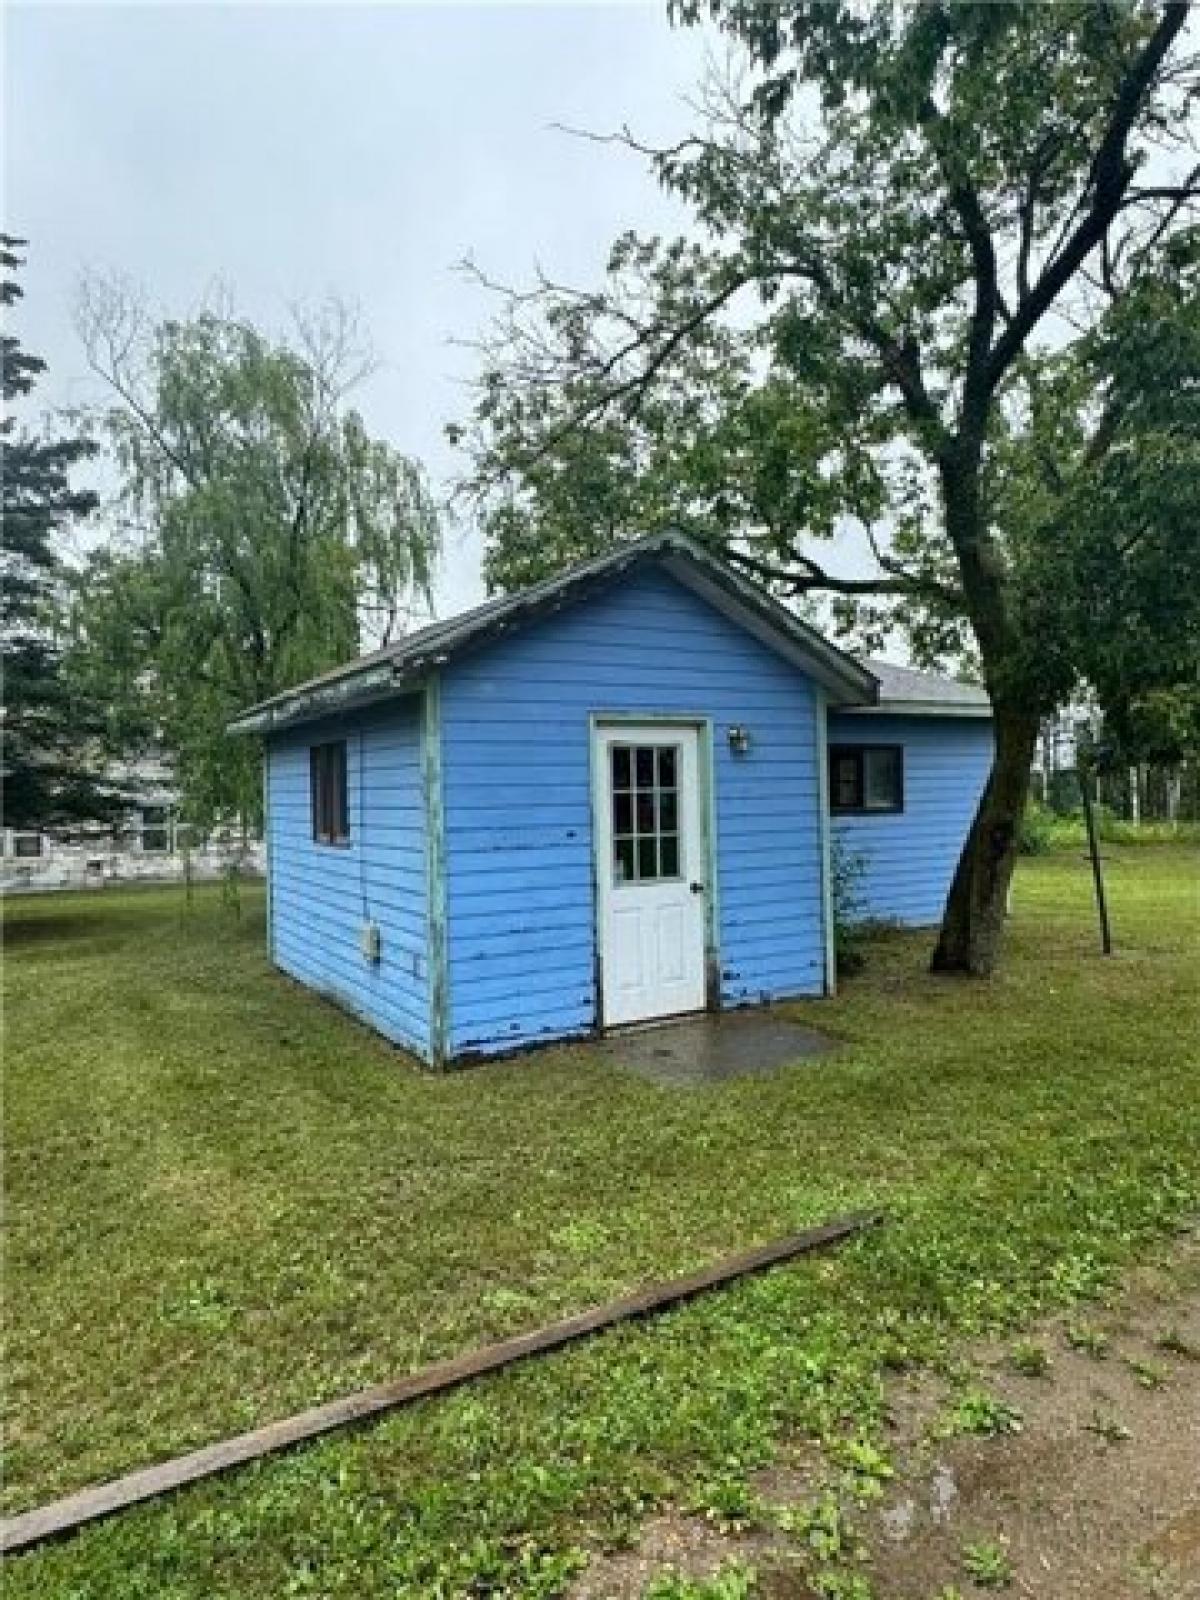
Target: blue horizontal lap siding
{"x": 517, "y": 787}
{"x": 909, "y": 857}
{"x": 322, "y": 894}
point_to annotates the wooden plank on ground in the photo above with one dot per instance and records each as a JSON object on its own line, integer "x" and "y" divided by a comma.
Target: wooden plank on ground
{"x": 88, "y": 1505}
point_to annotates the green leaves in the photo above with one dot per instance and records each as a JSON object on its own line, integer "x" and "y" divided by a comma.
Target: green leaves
{"x": 903, "y": 316}
{"x": 266, "y": 528}
{"x": 887, "y": 206}
{"x": 980, "y": 1413}
{"x": 1096, "y": 483}
{"x": 987, "y": 1563}
{"x": 51, "y": 757}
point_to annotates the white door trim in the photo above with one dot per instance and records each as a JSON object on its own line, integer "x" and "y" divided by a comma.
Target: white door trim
{"x": 675, "y": 973}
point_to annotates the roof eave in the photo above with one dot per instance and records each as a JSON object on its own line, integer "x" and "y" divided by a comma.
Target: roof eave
{"x": 846, "y": 681}
{"x": 310, "y": 705}
{"x": 922, "y": 708}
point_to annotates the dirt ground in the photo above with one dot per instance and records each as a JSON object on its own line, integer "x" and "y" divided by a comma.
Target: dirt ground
{"x": 1096, "y": 1497}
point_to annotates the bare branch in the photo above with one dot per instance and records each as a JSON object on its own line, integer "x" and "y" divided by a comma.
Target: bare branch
{"x": 1108, "y": 182}
{"x": 112, "y": 322}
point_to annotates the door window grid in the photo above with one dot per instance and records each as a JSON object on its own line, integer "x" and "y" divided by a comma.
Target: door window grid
{"x": 645, "y": 812}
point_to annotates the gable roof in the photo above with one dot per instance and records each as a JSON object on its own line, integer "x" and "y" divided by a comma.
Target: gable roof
{"x": 862, "y": 686}
{"x": 911, "y": 693}
{"x": 405, "y": 664}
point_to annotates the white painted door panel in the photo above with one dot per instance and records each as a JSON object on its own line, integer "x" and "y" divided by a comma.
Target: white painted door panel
{"x": 650, "y": 870}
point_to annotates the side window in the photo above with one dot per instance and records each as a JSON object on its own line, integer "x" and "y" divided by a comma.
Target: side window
{"x": 327, "y": 779}
{"x": 156, "y": 837}
{"x": 866, "y": 778}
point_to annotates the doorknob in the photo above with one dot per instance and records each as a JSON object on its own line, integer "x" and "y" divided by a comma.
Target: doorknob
{"x": 696, "y": 888}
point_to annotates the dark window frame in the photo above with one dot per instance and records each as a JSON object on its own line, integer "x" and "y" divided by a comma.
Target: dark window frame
{"x": 858, "y": 754}
{"x": 328, "y": 791}
{"x": 154, "y": 829}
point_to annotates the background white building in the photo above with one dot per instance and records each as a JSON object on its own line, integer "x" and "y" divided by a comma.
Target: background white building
{"x": 150, "y": 843}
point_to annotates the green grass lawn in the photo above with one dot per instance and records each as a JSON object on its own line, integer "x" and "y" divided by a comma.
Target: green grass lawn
{"x": 226, "y": 1201}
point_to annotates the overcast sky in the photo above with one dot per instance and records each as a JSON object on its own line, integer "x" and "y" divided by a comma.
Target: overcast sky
{"x": 293, "y": 150}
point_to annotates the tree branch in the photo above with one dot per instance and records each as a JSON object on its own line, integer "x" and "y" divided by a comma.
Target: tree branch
{"x": 812, "y": 576}
{"x": 656, "y": 360}
{"x": 1178, "y": 196}
{"x": 1108, "y": 182}
{"x": 901, "y": 359}
{"x": 149, "y": 427}
{"x": 965, "y": 199}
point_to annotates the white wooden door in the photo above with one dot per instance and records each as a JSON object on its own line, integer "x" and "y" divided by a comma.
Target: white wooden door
{"x": 650, "y": 871}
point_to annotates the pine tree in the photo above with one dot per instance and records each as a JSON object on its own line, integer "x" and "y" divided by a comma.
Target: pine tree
{"x": 50, "y": 749}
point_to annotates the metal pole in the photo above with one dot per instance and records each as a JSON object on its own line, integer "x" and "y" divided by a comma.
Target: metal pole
{"x": 1089, "y": 817}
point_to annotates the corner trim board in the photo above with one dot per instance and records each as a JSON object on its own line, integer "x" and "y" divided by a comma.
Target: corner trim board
{"x": 268, "y": 835}
{"x": 594, "y": 876}
{"x": 435, "y": 870}
{"x": 822, "y": 726}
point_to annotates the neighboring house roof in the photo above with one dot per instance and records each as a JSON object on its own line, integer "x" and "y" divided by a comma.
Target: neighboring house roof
{"x": 407, "y": 662}
{"x": 904, "y": 691}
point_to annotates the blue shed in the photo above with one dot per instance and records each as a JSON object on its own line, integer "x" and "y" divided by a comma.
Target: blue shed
{"x": 609, "y": 799}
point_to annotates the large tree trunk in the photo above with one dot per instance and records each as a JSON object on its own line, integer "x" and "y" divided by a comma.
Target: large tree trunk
{"x": 973, "y": 921}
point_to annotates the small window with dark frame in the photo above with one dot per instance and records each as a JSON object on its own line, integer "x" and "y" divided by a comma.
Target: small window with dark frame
{"x": 156, "y": 837}
{"x": 866, "y": 778}
{"x": 327, "y": 775}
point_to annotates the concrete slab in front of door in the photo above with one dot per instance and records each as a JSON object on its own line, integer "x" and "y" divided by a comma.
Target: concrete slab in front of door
{"x": 713, "y": 1048}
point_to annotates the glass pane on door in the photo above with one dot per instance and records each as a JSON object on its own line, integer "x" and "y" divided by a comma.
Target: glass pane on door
{"x": 644, "y": 786}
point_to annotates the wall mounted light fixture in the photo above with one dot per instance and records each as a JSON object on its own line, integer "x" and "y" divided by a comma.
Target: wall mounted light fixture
{"x": 739, "y": 740}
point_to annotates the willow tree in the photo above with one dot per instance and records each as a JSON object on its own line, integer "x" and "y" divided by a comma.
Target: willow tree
{"x": 258, "y": 529}
{"x": 903, "y": 310}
